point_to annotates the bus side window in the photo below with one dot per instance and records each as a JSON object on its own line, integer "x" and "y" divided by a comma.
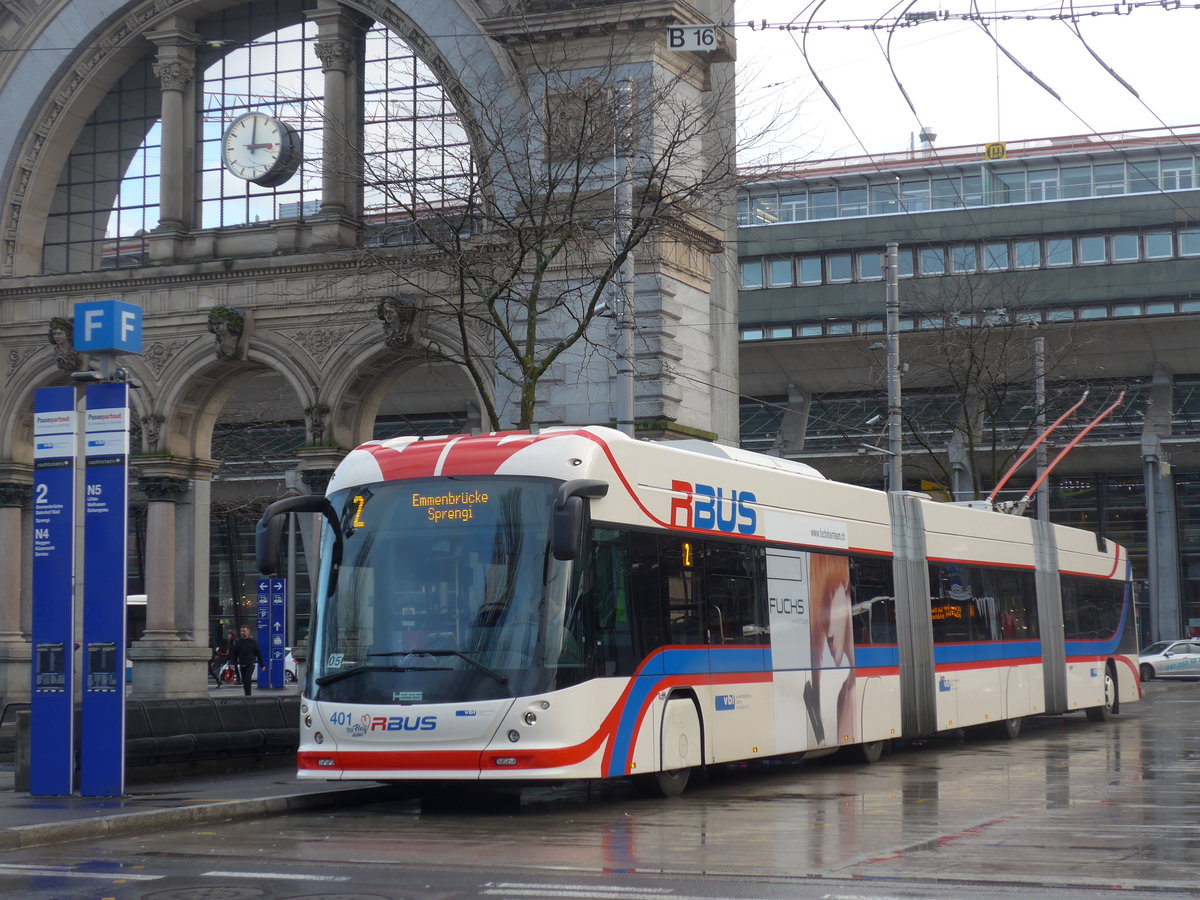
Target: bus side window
{"x": 873, "y": 592}
{"x": 610, "y": 592}
{"x": 735, "y": 615}
{"x": 645, "y": 593}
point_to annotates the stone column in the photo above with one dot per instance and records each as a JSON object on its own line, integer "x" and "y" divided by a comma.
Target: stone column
{"x": 316, "y": 468}
{"x": 337, "y": 47}
{"x": 168, "y": 660}
{"x": 175, "y": 66}
{"x": 15, "y": 615}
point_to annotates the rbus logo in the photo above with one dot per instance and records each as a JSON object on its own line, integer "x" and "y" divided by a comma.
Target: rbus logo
{"x": 403, "y": 723}
{"x": 704, "y": 506}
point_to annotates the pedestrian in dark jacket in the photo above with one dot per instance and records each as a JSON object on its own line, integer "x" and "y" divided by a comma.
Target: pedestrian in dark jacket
{"x": 247, "y": 654}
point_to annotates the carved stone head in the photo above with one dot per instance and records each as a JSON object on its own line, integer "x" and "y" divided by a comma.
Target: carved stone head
{"x": 227, "y": 324}
{"x": 399, "y": 316}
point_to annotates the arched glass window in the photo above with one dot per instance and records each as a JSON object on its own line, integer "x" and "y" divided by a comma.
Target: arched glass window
{"x": 411, "y": 152}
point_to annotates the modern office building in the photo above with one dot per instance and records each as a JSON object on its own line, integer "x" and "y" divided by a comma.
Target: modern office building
{"x": 1090, "y": 243}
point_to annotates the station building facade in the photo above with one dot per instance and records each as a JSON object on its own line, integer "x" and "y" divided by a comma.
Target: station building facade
{"x": 287, "y": 313}
{"x": 1091, "y": 243}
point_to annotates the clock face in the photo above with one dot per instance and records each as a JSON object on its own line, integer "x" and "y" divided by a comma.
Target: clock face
{"x": 261, "y": 149}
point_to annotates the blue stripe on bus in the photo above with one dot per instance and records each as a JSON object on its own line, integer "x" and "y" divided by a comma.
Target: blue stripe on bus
{"x": 985, "y": 651}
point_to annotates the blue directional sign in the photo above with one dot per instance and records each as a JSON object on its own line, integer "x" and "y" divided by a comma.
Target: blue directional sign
{"x": 106, "y": 477}
{"x": 278, "y": 638}
{"x": 51, "y": 719}
{"x": 108, "y": 325}
{"x": 271, "y": 636}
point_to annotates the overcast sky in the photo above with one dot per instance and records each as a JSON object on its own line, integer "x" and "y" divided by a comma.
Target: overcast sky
{"x": 961, "y": 86}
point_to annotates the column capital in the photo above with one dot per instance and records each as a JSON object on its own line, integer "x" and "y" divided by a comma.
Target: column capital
{"x": 164, "y": 489}
{"x": 335, "y": 55}
{"x": 174, "y": 74}
{"x": 15, "y": 493}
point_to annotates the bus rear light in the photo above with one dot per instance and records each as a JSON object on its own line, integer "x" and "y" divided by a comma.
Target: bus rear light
{"x": 325, "y": 763}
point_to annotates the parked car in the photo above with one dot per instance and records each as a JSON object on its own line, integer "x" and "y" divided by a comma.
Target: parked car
{"x": 289, "y": 667}
{"x": 1170, "y": 659}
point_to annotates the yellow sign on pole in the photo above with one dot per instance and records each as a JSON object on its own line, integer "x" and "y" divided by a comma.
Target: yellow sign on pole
{"x": 997, "y": 150}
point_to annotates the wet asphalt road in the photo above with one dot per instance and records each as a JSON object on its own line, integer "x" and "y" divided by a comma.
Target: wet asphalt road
{"x": 1069, "y": 809}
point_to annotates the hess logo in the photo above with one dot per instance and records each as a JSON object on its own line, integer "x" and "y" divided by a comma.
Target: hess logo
{"x": 713, "y": 509}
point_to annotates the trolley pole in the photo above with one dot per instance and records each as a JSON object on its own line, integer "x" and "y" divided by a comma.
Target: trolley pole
{"x": 895, "y": 456}
{"x": 625, "y": 280}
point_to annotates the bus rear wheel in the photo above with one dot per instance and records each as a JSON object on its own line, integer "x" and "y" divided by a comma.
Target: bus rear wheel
{"x": 1009, "y": 729}
{"x": 1105, "y": 712}
{"x": 662, "y": 784}
{"x": 869, "y": 752}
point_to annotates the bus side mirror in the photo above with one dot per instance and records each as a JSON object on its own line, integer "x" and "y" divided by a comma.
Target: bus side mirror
{"x": 567, "y": 520}
{"x": 270, "y": 527}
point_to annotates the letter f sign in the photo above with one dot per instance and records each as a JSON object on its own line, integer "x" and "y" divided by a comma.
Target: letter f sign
{"x": 108, "y": 325}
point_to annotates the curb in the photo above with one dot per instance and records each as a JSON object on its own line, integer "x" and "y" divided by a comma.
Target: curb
{"x": 127, "y": 823}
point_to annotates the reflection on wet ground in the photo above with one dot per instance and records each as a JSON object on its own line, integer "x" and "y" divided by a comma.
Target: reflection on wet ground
{"x": 1069, "y": 802}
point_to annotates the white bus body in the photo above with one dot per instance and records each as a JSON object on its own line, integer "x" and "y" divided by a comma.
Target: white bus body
{"x": 722, "y": 606}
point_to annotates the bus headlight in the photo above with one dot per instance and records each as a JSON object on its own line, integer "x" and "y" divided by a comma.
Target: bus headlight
{"x": 319, "y": 738}
{"x": 514, "y": 736}
{"x": 530, "y": 718}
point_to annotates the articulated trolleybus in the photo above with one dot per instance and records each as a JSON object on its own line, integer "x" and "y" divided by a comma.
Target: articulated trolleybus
{"x": 576, "y": 604}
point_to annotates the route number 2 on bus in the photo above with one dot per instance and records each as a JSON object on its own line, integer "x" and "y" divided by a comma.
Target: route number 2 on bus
{"x": 692, "y": 37}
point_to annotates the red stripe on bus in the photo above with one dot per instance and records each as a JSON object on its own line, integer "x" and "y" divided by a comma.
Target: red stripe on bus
{"x": 988, "y": 664}
{"x": 366, "y": 760}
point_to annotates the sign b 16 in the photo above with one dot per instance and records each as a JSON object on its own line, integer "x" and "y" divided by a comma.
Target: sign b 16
{"x": 684, "y": 38}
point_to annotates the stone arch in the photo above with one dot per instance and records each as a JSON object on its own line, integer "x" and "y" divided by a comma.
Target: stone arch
{"x": 198, "y": 386}
{"x": 87, "y": 49}
{"x": 16, "y": 405}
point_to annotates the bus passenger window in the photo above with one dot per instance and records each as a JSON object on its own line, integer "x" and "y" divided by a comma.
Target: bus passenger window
{"x": 608, "y": 586}
{"x": 874, "y": 602}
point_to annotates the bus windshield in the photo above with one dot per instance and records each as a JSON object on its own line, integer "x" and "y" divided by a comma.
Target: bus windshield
{"x": 446, "y": 591}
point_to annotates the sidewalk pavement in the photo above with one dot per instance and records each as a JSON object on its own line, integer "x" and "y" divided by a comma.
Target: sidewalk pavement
{"x": 180, "y": 799}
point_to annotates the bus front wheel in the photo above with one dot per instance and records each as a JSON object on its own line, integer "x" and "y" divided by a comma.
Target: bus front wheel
{"x": 662, "y": 784}
{"x": 1105, "y": 712}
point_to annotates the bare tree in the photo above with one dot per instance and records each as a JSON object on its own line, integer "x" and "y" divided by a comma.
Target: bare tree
{"x": 969, "y": 400}
{"x": 500, "y": 256}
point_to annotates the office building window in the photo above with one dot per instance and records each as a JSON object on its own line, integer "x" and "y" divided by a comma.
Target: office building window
{"x": 1028, "y": 254}
{"x": 904, "y": 262}
{"x": 1124, "y": 247}
{"x": 752, "y": 274}
{"x": 947, "y": 193}
{"x": 1092, "y": 250}
{"x": 1076, "y": 181}
{"x": 1043, "y": 185}
{"x": 780, "y": 272}
{"x": 884, "y": 199}
{"x": 1189, "y": 242}
{"x": 809, "y": 269}
{"x": 852, "y": 201}
{"x": 963, "y": 258}
{"x": 1109, "y": 179}
{"x": 933, "y": 261}
{"x": 915, "y": 195}
{"x": 1008, "y": 187}
{"x": 793, "y": 207}
{"x": 1059, "y": 252}
{"x": 840, "y": 267}
{"x": 870, "y": 265}
{"x": 764, "y": 209}
{"x": 1177, "y": 175}
{"x": 1157, "y": 244}
{"x": 823, "y": 204}
{"x": 995, "y": 256}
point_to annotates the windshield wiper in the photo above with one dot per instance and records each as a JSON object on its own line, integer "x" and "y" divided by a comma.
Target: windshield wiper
{"x": 499, "y": 676}
{"x": 358, "y": 670}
